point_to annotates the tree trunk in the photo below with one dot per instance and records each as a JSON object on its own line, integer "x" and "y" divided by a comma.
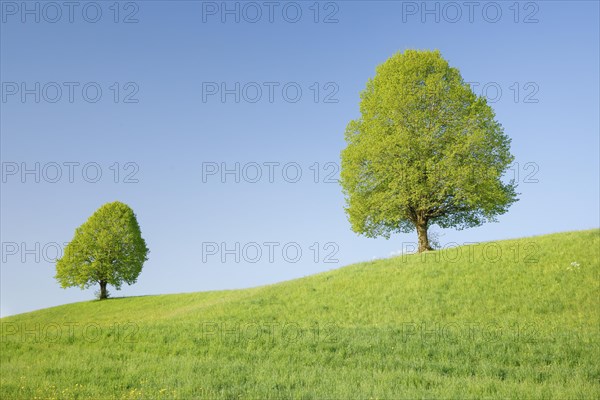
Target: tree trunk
{"x": 423, "y": 239}
{"x": 103, "y": 294}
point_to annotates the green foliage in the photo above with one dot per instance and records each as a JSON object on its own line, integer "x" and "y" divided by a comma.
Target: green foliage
{"x": 464, "y": 323}
{"x": 426, "y": 150}
{"x": 107, "y": 249}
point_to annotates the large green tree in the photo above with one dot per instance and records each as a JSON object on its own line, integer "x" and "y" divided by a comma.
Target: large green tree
{"x": 426, "y": 150}
{"x": 107, "y": 249}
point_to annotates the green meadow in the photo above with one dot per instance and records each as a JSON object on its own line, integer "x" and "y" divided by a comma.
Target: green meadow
{"x": 510, "y": 319}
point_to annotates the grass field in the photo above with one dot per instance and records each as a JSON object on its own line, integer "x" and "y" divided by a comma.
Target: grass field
{"x": 510, "y": 319}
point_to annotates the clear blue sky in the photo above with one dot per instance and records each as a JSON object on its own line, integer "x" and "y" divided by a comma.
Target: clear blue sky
{"x": 543, "y": 56}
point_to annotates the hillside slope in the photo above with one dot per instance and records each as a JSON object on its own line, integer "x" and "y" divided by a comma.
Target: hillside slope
{"x": 510, "y": 319}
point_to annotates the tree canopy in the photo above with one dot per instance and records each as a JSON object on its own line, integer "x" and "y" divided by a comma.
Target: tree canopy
{"x": 107, "y": 249}
{"x": 426, "y": 150}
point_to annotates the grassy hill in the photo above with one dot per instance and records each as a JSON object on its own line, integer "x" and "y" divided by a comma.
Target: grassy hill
{"x": 510, "y": 319}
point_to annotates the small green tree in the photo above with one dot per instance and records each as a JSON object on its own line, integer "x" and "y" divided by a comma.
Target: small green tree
{"x": 107, "y": 249}
{"x": 426, "y": 150}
